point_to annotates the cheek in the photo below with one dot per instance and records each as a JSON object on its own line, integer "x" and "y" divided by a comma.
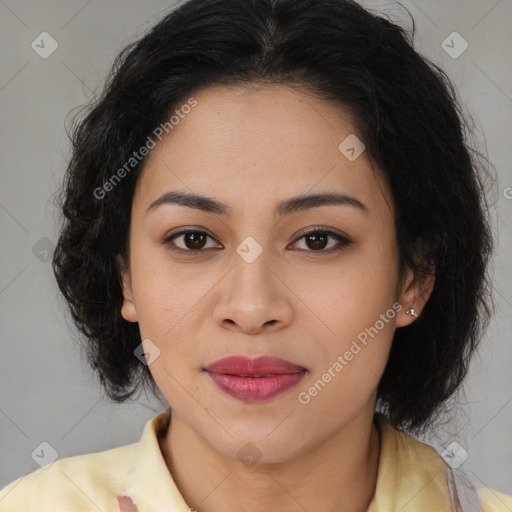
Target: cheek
{"x": 351, "y": 359}
{"x": 351, "y": 296}
{"x": 168, "y": 309}
{"x": 357, "y": 307}
{"x": 165, "y": 296}
{"x": 169, "y": 312}
{"x": 172, "y": 310}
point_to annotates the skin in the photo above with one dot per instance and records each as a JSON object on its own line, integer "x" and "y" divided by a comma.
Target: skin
{"x": 252, "y": 147}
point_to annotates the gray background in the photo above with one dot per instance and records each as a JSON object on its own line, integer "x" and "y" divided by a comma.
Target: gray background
{"x": 47, "y": 393}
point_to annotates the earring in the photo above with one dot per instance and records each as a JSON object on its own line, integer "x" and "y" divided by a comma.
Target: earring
{"x": 411, "y": 312}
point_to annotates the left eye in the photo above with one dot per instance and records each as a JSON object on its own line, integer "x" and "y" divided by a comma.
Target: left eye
{"x": 317, "y": 240}
{"x": 194, "y": 241}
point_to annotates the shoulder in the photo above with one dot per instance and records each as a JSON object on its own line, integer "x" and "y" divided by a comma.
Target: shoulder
{"x": 494, "y": 501}
{"x": 408, "y": 463}
{"x": 78, "y": 483}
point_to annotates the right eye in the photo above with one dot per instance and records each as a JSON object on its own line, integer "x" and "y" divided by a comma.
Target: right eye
{"x": 193, "y": 241}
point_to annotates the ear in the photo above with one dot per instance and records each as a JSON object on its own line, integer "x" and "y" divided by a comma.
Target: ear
{"x": 128, "y": 309}
{"x": 415, "y": 292}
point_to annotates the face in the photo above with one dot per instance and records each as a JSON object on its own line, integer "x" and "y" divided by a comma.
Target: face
{"x": 250, "y": 279}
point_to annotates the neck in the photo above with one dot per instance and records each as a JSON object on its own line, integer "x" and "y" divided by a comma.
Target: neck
{"x": 339, "y": 475}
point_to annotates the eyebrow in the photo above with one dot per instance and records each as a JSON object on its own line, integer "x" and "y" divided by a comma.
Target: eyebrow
{"x": 286, "y": 207}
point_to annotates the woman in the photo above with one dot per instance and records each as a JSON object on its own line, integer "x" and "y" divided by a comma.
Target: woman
{"x": 272, "y": 217}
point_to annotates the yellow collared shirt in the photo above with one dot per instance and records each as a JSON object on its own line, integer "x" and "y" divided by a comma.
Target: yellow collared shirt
{"x": 412, "y": 477}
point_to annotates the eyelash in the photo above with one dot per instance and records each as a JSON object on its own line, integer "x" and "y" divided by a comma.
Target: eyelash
{"x": 342, "y": 240}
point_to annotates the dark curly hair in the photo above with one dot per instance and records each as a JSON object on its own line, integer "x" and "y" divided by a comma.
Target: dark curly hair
{"x": 408, "y": 116}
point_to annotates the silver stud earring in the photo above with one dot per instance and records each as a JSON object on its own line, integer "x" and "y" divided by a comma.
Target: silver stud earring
{"x": 412, "y": 312}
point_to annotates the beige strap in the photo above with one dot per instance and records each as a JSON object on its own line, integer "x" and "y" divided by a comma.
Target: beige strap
{"x": 463, "y": 495}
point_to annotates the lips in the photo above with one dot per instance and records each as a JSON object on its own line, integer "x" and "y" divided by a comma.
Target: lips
{"x": 254, "y": 380}
{"x": 259, "y": 367}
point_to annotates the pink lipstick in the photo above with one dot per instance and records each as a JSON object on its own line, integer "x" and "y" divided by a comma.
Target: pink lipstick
{"x": 254, "y": 380}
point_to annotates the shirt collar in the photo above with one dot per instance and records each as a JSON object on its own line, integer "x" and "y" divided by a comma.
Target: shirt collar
{"x": 154, "y": 489}
{"x": 411, "y": 475}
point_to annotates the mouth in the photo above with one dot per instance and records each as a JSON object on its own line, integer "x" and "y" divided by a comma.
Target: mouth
{"x": 254, "y": 380}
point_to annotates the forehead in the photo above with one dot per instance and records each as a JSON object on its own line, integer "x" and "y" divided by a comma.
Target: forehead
{"x": 262, "y": 143}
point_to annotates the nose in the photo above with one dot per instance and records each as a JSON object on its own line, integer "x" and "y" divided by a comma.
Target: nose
{"x": 254, "y": 299}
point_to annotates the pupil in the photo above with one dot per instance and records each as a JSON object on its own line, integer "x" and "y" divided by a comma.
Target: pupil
{"x": 315, "y": 244}
{"x": 192, "y": 240}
